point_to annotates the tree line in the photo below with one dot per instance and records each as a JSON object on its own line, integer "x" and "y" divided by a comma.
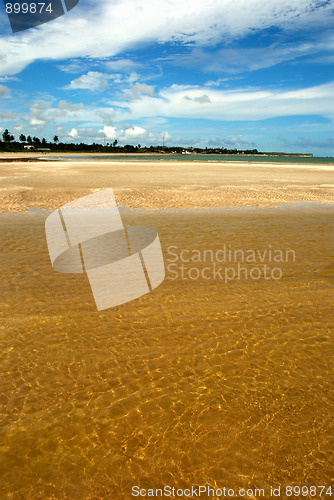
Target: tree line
{"x": 8, "y": 143}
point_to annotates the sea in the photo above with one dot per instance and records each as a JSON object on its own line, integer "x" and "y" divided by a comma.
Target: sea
{"x": 306, "y": 160}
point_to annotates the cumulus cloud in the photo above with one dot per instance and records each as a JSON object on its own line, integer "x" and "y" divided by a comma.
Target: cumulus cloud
{"x": 93, "y": 80}
{"x": 133, "y": 134}
{"x": 74, "y": 133}
{"x": 43, "y": 112}
{"x": 133, "y": 77}
{"x": 77, "y": 135}
{"x": 110, "y": 132}
{"x": 107, "y": 29}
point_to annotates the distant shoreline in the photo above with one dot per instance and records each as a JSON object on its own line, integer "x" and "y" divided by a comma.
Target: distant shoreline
{"x": 147, "y": 153}
{"x": 280, "y": 159}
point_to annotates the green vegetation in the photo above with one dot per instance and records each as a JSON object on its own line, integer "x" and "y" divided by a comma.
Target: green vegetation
{"x": 28, "y": 143}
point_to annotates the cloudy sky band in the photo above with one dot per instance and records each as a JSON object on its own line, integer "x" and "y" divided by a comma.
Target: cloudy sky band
{"x": 184, "y": 68}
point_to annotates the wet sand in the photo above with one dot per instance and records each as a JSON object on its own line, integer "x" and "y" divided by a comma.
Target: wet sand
{"x": 163, "y": 184}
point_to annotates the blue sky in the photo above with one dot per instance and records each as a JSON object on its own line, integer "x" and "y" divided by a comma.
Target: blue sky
{"x": 236, "y": 74}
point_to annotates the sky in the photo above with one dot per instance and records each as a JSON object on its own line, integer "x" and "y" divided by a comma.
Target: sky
{"x": 239, "y": 74}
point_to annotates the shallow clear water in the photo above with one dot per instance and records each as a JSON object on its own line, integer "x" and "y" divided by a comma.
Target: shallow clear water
{"x": 200, "y": 157}
{"x": 198, "y": 382}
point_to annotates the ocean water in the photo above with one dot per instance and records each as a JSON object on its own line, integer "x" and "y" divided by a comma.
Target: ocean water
{"x": 204, "y": 381}
{"x": 197, "y": 158}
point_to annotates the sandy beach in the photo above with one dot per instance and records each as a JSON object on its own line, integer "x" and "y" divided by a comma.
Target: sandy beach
{"x": 161, "y": 184}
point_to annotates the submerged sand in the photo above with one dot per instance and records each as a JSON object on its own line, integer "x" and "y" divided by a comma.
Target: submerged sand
{"x": 162, "y": 184}
{"x": 201, "y": 381}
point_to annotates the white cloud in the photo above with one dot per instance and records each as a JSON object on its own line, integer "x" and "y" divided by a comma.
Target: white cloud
{"x": 181, "y": 101}
{"x": 128, "y": 133}
{"x": 123, "y": 65}
{"x": 229, "y": 142}
{"x": 75, "y": 66}
{"x": 138, "y": 90}
{"x": 107, "y": 28}
{"x": 93, "y": 80}
{"x": 83, "y": 134}
{"x": 203, "y": 99}
{"x": 110, "y": 132}
{"x": 68, "y": 107}
{"x": 36, "y": 121}
{"x": 238, "y": 60}
{"x": 220, "y": 81}
{"x": 133, "y": 77}
{"x": 74, "y": 133}
{"x": 150, "y": 112}
{"x": 8, "y": 78}
{"x": 43, "y": 112}
{"x": 133, "y": 134}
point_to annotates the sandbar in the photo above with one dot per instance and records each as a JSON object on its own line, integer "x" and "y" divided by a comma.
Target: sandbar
{"x": 160, "y": 184}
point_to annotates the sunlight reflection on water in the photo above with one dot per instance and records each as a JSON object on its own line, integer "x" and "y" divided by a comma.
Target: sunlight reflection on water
{"x": 198, "y": 382}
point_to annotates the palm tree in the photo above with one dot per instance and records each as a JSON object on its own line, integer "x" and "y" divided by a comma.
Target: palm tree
{"x": 56, "y": 139}
{"x": 23, "y": 138}
{"x": 7, "y": 137}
